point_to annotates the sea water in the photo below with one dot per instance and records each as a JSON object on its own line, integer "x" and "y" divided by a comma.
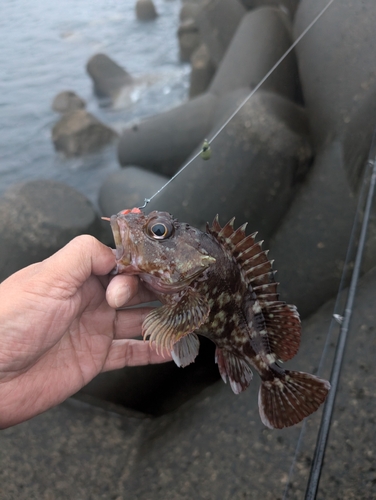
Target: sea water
{"x": 44, "y": 48}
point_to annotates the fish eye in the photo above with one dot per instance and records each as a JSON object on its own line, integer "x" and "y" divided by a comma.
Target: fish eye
{"x": 158, "y": 230}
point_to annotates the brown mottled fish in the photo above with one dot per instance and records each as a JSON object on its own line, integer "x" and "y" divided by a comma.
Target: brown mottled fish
{"x": 219, "y": 284}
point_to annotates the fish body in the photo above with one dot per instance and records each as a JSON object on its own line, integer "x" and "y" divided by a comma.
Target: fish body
{"x": 219, "y": 284}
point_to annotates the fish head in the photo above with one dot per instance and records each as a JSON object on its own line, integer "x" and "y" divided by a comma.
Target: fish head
{"x": 166, "y": 254}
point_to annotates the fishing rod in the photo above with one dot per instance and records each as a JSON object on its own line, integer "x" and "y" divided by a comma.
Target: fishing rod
{"x": 322, "y": 439}
{"x": 336, "y": 317}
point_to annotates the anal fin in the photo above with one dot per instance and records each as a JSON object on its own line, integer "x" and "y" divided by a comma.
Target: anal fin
{"x": 235, "y": 369}
{"x": 185, "y": 350}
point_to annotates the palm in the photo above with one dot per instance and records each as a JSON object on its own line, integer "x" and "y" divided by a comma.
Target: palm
{"x": 67, "y": 343}
{"x": 83, "y": 332}
{"x": 63, "y": 331}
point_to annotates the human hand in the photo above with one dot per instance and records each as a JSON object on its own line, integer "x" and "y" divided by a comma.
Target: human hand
{"x": 58, "y": 330}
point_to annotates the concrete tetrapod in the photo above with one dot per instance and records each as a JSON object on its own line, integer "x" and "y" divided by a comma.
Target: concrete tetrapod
{"x": 161, "y": 143}
{"x": 218, "y": 21}
{"x": 256, "y": 165}
{"x": 336, "y": 64}
{"x": 37, "y": 218}
{"x": 262, "y": 37}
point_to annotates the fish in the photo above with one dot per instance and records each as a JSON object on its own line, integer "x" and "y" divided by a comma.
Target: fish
{"x": 219, "y": 284}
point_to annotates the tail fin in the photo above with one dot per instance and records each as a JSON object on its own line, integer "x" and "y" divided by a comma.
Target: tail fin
{"x": 287, "y": 399}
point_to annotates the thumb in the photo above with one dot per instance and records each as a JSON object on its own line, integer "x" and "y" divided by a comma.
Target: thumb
{"x": 79, "y": 259}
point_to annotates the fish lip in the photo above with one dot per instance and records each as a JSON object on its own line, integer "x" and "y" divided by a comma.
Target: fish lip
{"x": 156, "y": 284}
{"x": 121, "y": 234}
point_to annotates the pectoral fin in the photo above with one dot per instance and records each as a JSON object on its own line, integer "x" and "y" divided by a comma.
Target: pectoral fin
{"x": 169, "y": 323}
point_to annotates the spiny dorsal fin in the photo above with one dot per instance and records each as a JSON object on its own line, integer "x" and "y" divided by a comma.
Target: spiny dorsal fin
{"x": 228, "y": 229}
{"x": 266, "y": 298}
{"x": 216, "y": 227}
{"x": 254, "y": 256}
{"x": 239, "y": 234}
{"x": 230, "y": 236}
{"x": 280, "y": 320}
{"x": 259, "y": 269}
{"x": 246, "y": 244}
{"x": 248, "y": 253}
{"x": 270, "y": 288}
{"x": 263, "y": 279}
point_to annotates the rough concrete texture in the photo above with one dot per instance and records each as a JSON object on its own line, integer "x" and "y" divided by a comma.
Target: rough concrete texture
{"x": 189, "y": 38}
{"x": 289, "y": 5}
{"x": 218, "y": 21}
{"x": 212, "y": 447}
{"x": 190, "y": 10}
{"x": 337, "y": 61}
{"x": 263, "y": 35}
{"x": 37, "y": 218}
{"x": 202, "y": 71}
{"x": 309, "y": 247}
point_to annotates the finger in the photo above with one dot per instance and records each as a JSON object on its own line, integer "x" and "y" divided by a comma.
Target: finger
{"x": 71, "y": 266}
{"x": 132, "y": 353}
{"x": 127, "y": 290}
{"x": 121, "y": 289}
{"x": 128, "y": 322}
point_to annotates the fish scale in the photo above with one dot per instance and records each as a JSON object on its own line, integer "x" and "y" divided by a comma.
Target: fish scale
{"x": 219, "y": 284}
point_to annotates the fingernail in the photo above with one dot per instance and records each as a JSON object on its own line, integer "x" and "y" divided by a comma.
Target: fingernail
{"x": 119, "y": 298}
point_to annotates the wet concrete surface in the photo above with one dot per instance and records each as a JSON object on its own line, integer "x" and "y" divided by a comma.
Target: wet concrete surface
{"x": 212, "y": 447}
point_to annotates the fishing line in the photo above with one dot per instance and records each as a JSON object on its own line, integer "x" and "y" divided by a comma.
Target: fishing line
{"x": 256, "y": 88}
{"x": 335, "y": 316}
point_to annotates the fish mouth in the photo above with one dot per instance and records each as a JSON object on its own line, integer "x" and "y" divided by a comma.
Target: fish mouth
{"x": 121, "y": 236}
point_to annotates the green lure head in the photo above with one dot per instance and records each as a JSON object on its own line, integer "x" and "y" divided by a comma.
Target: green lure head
{"x": 206, "y": 151}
